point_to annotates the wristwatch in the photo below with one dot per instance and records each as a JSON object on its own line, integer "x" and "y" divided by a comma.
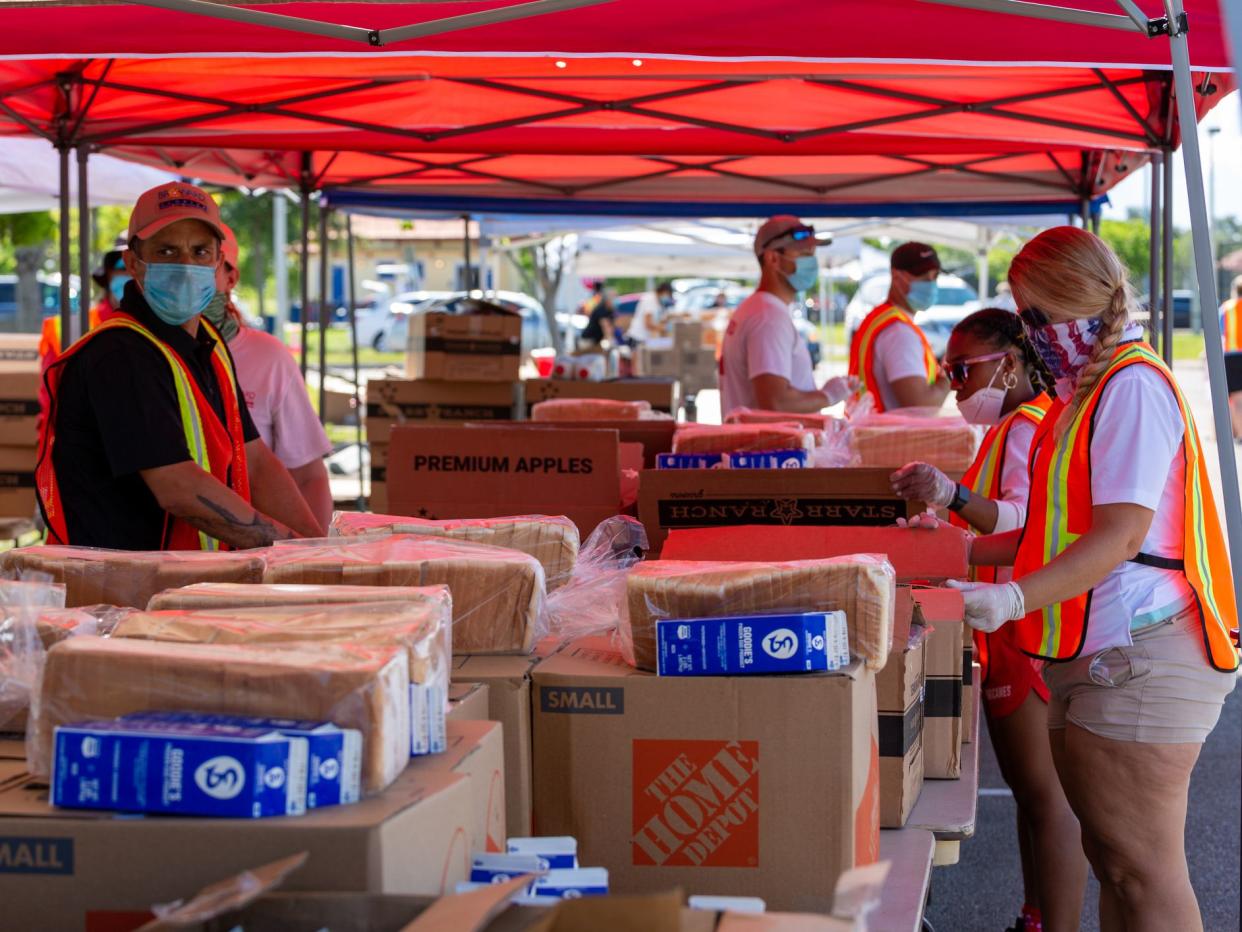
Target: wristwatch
{"x": 961, "y": 499}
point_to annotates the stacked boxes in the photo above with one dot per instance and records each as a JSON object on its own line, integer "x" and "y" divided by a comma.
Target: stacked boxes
{"x": 944, "y": 613}
{"x": 684, "y": 357}
{"x": 900, "y": 697}
{"x": 19, "y": 417}
{"x": 474, "y": 347}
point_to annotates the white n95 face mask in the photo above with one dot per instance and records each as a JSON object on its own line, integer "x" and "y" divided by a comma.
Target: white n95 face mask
{"x": 984, "y": 406}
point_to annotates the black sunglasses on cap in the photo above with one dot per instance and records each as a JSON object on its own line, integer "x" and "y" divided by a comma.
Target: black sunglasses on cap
{"x": 797, "y": 234}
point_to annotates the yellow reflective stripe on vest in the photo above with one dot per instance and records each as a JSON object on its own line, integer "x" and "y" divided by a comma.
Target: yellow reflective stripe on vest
{"x": 191, "y": 424}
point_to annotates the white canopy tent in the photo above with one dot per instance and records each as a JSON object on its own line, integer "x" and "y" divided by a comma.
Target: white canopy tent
{"x": 30, "y": 178}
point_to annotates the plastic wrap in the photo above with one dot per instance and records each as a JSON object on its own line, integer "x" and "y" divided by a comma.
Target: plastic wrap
{"x": 553, "y": 541}
{"x": 590, "y": 409}
{"x": 353, "y": 686}
{"x": 593, "y": 601}
{"x": 736, "y": 438}
{"x": 898, "y": 437}
{"x": 212, "y": 596}
{"x": 864, "y": 586}
{"x": 422, "y": 625}
{"x": 498, "y": 594}
{"x": 129, "y": 578}
{"x": 25, "y": 635}
{"x": 824, "y": 422}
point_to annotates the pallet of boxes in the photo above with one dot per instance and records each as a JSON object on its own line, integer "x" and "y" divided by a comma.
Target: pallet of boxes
{"x": 459, "y": 368}
{"x": 19, "y": 419}
{"x": 688, "y": 355}
{"x": 256, "y": 704}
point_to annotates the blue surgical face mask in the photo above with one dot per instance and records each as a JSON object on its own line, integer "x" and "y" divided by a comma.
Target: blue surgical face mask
{"x": 116, "y": 286}
{"x": 922, "y": 295}
{"x": 178, "y": 293}
{"x": 806, "y": 270}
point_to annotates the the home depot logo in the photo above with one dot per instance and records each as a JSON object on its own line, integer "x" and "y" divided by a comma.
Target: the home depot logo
{"x": 696, "y": 803}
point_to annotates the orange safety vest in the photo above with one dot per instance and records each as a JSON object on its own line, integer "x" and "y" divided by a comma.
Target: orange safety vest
{"x": 51, "y": 339}
{"x": 984, "y": 478}
{"x": 862, "y": 347}
{"x": 213, "y": 448}
{"x": 1231, "y": 324}
{"x": 1059, "y": 513}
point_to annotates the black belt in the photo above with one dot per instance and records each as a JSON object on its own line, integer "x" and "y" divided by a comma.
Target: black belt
{"x": 1160, "y": 563}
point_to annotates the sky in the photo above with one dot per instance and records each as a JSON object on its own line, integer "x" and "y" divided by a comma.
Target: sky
{"x": 1135, "y": 191}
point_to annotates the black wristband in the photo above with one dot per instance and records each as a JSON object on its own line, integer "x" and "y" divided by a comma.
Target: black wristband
{"x": 961, "y": 499}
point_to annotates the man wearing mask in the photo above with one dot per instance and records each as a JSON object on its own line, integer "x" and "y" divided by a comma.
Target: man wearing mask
{"x": 889, "y": 353}
{"x": 274, "y": 391}
{"x": 764, "y": 362}
{"x": 648, "y": 319}
{"x": 148, "y": 443}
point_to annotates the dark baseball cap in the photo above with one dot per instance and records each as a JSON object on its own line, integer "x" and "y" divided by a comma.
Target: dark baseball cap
{"x": 915, "y": 258}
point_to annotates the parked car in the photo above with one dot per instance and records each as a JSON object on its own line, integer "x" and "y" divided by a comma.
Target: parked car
{"x": 1183, "y": 307}
{"x": 957, "y": 301}
{"x": 49, "y": 294}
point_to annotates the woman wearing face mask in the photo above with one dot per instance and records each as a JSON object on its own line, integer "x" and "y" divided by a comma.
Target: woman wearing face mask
{"x": 1121, "y": 580}
{"x": 1000, "y": 384}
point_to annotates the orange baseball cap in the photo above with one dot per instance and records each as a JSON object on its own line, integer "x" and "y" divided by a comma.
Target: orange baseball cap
{"x": 169, "y": 203}
{"x": 228, "y": 247}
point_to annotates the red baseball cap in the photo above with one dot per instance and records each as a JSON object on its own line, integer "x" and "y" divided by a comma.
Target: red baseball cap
{"x": 168, "y": 203}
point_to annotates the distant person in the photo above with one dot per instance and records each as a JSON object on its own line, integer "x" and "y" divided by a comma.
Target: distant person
{"x": 602, "y": 323}
{"x": 1231, "y": 335}
{"x": 1004, "y": 298}
{"x": 653, "y": 308}
{"x": 721, "y": 302}
{"x": 889, "y": 353}
{"x": 764, "y": 362}
{"x": 274, "y": 391}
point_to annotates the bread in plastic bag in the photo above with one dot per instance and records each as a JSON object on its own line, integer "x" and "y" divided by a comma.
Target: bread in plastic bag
{"x": 552, "y": 540}
{"x": 824, "y": 422}
{"x": 741, "y": 438}
{"x": 353, "y": 686}
{"x": 25, "y": 635}
{"x": 129, "y": 578}
{"x": 590, "y": 409}
{"x": 896, "y": 438}
{"x": 498, "y": 594}
{"x": 211, "y": 596}
{"x": 593, "y": 600}
{"x": 864, "y": 586}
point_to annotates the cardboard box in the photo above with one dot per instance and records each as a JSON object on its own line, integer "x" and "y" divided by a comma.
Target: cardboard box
{"x": 970, "y": 690}
{"x": 17, "y": 480}
{"x": 19, "y": 407}
{"x": 508, "y": 691}
{"x": 662, "y": 394}
{"x": 478, "y": 472}
{"x": 476, "y": 750}
{"x": 656, "y": 437}
{"x": 19, "y": 351}
{"x": 390, "y": 402}
{"x": 677, "y": 499}
{"x": 899, "y": 695}
{"x": 687, "y": 782}
{"x": 465, "y": 347}
{"x": 942, "y": 728}
{"x": 377, "y": 501}
{"x": 468, "y": 702}
{"x": 62, "y": 869}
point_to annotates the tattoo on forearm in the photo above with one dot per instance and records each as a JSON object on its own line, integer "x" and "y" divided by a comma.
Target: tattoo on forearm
{"x": 257, "y": 531}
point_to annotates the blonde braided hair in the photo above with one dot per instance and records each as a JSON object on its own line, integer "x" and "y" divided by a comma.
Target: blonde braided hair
{"x": 1071, "y": 274}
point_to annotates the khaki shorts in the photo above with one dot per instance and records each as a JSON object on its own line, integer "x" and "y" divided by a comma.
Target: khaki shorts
{"x": 1158, "y": 690}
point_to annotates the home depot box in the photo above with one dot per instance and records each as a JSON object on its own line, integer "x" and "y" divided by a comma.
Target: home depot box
{"x": 479, "y": 347}
{"x": 761, "y": 786}
{"x": 19, "y": 407}
{"x": 656, "y": 437}
{"x": 62, "y": 869}
{"x": 672, "y": 499}
{"x": 489, "y": 472}
{"x": 390, "y": 402}
{"x": 468, "y": 702}
{"x": 899, "y": 695}
{"x": 942, "y": 728}
{"x": 661, "y": 393}
{"x": 476, "y": 750}
{"x": 508, "y": 692}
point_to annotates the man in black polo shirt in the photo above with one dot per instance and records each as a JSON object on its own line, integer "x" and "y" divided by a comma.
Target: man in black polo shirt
{"x": 122, "y": 472}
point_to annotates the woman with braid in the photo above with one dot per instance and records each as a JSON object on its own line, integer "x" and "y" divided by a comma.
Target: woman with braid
{"x": 1000, "y": 383}
{"x": 1121, "y": 580}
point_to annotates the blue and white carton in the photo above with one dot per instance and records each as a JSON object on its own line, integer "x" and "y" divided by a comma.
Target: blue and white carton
{"x": 770, "y": 459}
{"x": 428, "y": 719}
{"x": 334, "y": 765}
{"x": 498, "y": 868}
{"x": 179, "y": 769}
{"x": 690, "y": 461}
{"x": 555, "y": 852}
{"x": 799, "y": 643}
{"x": 570, "y": 884}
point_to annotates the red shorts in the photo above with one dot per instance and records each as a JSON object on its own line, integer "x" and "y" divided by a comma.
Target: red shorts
{"x": 1008, "y": 674}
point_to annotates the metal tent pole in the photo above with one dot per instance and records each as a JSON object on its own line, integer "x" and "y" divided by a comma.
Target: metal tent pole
{"x": 305, "y": 276}
{"x": 324, "y": 313}
{"x": 84, "y": 245}
{"x": 353, "y": 346}
{"x": 1095, "y": 222}
{"x": 1154, "y": 326}
{"x": 1206, "y": 275}
{"x": 280, "y": 260}
{"x": 465, "y": 245}
{"x": 1166, "y": 229}
{"x": 1084, "y": 212}
{"x": 66, "y": 309}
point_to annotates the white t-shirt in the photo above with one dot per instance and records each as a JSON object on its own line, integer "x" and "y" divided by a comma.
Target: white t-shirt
{"x": 1137, "y": 458}
{"x": 277, "y": 398}
{"x": 647, "y": 304}
{"x": 897, "y": 353}
{"x": 761, "y": 339}
{"x": 1015, "y": 484}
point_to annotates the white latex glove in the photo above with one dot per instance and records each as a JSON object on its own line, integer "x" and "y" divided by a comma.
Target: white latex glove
{"x": 924, "y": 483}
{"x": 926, "y": 521}
{"x": 840, "y": 388}
{"x": 990, "y": 605}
